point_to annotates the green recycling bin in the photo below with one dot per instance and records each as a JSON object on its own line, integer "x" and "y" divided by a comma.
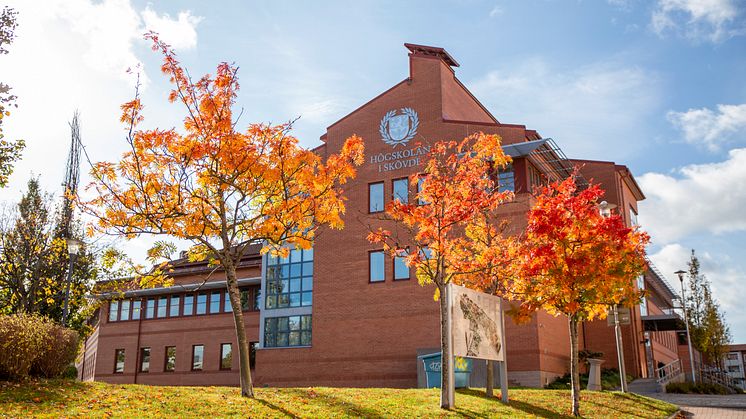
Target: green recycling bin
{"x": 432, "y": 364}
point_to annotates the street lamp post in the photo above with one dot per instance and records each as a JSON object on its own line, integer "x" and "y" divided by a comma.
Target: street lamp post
{"x": 73, "y": 247}
{"x": 681, "y": 273}
{"x": 605, "y": 209}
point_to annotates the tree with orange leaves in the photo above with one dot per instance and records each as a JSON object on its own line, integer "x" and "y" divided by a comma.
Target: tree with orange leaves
{"x": 576, "y": 262}
{"x": 457, "y": 188}
{"x": 218, "y": 187}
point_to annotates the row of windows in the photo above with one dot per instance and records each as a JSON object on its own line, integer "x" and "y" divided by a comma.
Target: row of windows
{"x": 182, "y": 305}
{"x": 290, "y": 280}
{"x": 400, "y": 189}
{"x": 287, "y": 331}
{"x": 169, "y": 361}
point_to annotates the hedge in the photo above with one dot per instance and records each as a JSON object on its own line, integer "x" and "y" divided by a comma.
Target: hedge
{"x": 34, "y": 345}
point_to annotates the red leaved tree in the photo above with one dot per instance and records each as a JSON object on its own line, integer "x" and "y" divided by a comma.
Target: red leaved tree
{"x": 456, "y": 189}
{"x": 576, "y": 262}
{"x": 218, "y": 187}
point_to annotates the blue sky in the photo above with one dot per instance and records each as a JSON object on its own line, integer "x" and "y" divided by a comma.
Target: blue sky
{"x": 657, "y": 85}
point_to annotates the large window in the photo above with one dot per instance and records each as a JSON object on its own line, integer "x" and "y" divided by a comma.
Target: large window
{"x": 215, "y": 302}
{"x": 124, "y": 314}
{"x": 198, "y": 355}
{"x": 150, "y": 308}
{"x": 287, "y": 331}
{"x": 144, "y": 359}
{"x": 226, "y": 356}
{"x": 162, "y": 302}
{"x": 506, "y": 179}
{"x": 290, "y": 280}
{"x": 227, "y": 306}
{"x": 201, "y": 303}
{"x": 118, "y": 361}
{"x": 188, "y": 305}
{"x": 169, "y": 363}
{"x": 250, "y": 298}
{"x": 136, "y": 309}
{"x": 173, "y": 309}
{"x": 375, "y": 197}
{"x": 376, "y": 261}
{"x": 401, "y": 190}
{"x": 113, "y": 311}
{"x": 401, "y": 270}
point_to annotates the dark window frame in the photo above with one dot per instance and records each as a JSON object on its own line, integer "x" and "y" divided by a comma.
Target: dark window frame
{"x": 383, "y": 197}
{"x": 220, "y": 360}
{"x": 196, "y": 304}
{"x": 370, "y": 266}
{"x": 142, "y": 359}
{"x": 218, "y": 310}
{"x": 116, "y": 359}
{"x": 137, "y": 301}
{"x": 116, "y": 316}
{"x": 393, "y": 188}
{"x": 170, "y": 305}
{"x": 193, "y": 305}
{"x": 165, "y": 359}
{"x": 393, "y": 270}
{"x": 202, "y": 368}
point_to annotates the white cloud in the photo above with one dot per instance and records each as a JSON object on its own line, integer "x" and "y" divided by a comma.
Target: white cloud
{"x": 710, "y": 20}
{"x": 496, "y": 11}
{"x": 710, "y": 128}
{"x": 595, "y": 111}
{"x": 180, "y": 33}
{"x": 725, "y": 277}
{"x": 702, "y": 198}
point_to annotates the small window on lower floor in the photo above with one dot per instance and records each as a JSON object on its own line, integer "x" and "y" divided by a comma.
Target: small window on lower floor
{"x": 144, "y": 359}
{"x": 170, "y": 362}
{"x": 226, "y": 356}
{"x": 198, "y": 353}
{"x": 252, "y": 354}
{"x": 376, "y": 261}
{"x": 118, "y": 361}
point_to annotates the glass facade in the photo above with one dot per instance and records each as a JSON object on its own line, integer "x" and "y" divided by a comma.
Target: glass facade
{"x": 290, "y": 280}
{"x": 287, "y": 331}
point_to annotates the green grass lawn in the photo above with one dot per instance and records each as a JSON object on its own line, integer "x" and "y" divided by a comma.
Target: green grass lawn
{"x": 60, "y": 398}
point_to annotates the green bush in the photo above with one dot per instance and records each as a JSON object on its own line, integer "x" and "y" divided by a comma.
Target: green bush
{"x": 31, "y": 344}
{"x": 699, "y": 388}
{"x": 610, "y": 380}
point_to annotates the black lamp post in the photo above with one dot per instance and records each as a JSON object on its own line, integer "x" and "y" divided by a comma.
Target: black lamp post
{"x": 73, "y": 247}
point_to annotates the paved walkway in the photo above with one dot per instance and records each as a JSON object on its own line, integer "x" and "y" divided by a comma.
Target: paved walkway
{"x": 706, "y": 406}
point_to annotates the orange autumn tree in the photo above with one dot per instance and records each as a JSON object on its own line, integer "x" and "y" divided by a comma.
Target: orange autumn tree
{"x": 576, "y": 262}
{"x": 218, "y": 187}
{"x": 457, "y": 187}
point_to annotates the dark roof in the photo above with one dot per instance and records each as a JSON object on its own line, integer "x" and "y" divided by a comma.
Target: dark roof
{"x": 432, "y": 51}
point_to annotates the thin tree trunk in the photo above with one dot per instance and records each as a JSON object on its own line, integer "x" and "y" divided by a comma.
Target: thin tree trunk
{"x": 490, "y": 379}
{"x": 247, "y": 389}
{"x": 574, "y": 372}
{"x": 445, "y": 381}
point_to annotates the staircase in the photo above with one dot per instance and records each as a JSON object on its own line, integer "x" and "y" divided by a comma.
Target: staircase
{"x": 644, "y": 386}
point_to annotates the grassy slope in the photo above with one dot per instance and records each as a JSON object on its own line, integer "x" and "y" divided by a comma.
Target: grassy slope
{"x": 57, "y": 398}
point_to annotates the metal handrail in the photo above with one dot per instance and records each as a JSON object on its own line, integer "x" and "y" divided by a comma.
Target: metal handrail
{"x": 668, "y": 372}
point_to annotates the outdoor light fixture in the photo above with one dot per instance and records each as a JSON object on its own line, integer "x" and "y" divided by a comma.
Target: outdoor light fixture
{"x": 604, "y": 208}
{"x": 73, "y": 247}
{"x": 681, "y": 273}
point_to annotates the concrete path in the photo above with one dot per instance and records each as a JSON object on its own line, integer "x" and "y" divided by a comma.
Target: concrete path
{"x": 706, "y": 406}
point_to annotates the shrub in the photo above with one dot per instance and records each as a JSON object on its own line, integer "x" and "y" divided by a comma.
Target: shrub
{"x": 59, "y": 350}
{"x": 699, "y": 388}
{"x": 30, "y": 344}
{"x": 21, "y": 338}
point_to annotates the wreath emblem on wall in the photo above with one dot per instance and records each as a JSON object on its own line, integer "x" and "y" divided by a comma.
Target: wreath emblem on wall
{"x": 398, "y": 129}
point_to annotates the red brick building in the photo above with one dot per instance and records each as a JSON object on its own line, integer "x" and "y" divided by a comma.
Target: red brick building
{"x": 343, "y": 314}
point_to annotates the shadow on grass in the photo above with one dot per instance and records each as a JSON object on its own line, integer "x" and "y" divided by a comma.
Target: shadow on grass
{"x": 276, "y": 408}
{"x": 515, "y": 404}
{"x": 343, "y": 406}
{"x": 44, "y": 390}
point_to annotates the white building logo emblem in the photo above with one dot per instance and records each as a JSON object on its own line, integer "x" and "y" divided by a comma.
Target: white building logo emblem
{"x": 399, "y": 129}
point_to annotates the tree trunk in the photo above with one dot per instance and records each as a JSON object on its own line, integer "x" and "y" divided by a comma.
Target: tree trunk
{"x": 574, "y": 372}
{"x": 490, "y": 379}
{"x": 247, "y": 389}
{"x": 490, "y": 387}
{"x": 445, "y": 350}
